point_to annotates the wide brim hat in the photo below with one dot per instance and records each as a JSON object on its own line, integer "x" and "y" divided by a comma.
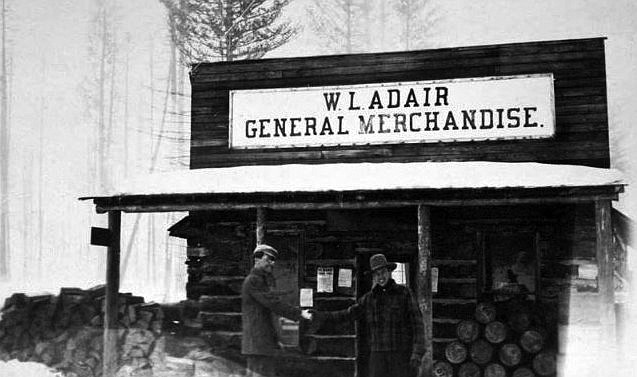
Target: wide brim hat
{"x": 378, "y": 261}
{"x": 266, "y": 249}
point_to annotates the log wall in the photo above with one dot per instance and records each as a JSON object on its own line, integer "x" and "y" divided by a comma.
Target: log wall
{"x": 346, "y": 239}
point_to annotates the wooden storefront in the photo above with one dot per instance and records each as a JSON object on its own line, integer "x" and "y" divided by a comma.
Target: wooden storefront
{"x": 520, "y": 222}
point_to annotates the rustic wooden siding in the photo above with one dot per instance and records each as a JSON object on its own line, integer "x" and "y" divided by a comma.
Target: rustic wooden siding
{"x": 347, "y": 238}
{"x": 578, "y": 67}
{"x": 566, "y": 242}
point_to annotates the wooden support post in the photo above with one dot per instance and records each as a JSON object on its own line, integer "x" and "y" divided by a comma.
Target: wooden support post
{"x": 605, "y": 277}
{"x": 424, "y": 286}
{"x": 261, "y": 218}
{"x": 112, "y": 292}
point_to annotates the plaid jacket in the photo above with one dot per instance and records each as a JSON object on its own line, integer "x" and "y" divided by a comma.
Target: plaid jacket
{"x": 392, "y": 318}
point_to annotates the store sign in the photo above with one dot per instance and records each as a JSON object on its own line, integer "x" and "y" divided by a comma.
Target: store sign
{"x": 511, "y": 107}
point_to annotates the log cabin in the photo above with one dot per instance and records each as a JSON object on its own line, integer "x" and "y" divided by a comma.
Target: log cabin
{"x": 488, "y": 182}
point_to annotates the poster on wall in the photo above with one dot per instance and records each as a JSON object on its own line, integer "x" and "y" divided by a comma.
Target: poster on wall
{"x": 345, "y": 277}
{"x": 305, "y": 299}
{"x": 325, "y": 279}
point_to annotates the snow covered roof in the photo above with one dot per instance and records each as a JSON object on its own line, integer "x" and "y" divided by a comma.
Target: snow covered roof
{"x": 366, "y": 177}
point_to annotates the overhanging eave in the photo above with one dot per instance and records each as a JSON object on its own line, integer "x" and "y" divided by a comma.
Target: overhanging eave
{"x": 353, "y": 199}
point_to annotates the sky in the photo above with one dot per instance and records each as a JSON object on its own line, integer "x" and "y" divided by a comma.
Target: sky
{"x": 49, "y": 65}
{"x": 471, "y": 23}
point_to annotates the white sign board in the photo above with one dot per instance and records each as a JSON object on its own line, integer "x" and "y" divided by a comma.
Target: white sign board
{"x": 434, "y": 279}
{"x": 345, "y": 277}
{"x": 325, "y": 279}
{"x": 305, "y": 298}
{"x": 488, "y": 108}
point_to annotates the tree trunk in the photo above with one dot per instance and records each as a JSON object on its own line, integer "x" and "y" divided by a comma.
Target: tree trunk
{"x": 4, "y": 157}
{"x": 495, "y": 332}
{"x": 523, "y": 372}
{"x": 544, "y": 363}
{"x": 27, "y": 192}
{"x": 468, "y": 331}
{"x": 510, "y": 354}
{"x": 442, "y": 369}
{"x": 494, "y": 370}
{"x": 481, "y": 352}
{"x": 485, "y": 312}
{"x": 126, "y": 83}
{"x": 469, "y": 369}
{"x": 532, "y": 341}
{"x": 456, "y": 352}
{"x": 101, "y": 150}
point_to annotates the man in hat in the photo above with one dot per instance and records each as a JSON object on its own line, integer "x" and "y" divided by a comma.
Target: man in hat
{"x": 259, "y": 340}
{"x": 394, "y": 323}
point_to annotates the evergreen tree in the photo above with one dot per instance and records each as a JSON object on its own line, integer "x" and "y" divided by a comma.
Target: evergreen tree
{"x": 337, "y": 24}
{"x": 415, "y": 19}
{"x": 227, "y": 30}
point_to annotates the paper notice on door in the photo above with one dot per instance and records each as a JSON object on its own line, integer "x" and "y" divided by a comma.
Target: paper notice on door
{"x": 325, "y": 279}
{"x": 345, "y": 277}
{"x": 434, "y": 279}
{"x": 306, "y": 298}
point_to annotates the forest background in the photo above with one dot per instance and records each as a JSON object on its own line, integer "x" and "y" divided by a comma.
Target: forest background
{"x": 96, "y": 91}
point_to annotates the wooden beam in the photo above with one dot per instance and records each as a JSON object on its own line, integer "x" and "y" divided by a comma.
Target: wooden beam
{"x": 112, "y": 292}
{"x": 261, "y": 219}
{"x": 605, "y": 278}
{"x": 424, "y": 286}
{"x": 220, "y": 206}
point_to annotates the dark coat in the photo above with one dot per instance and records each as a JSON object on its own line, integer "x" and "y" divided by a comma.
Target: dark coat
{"x": 258, "y": 302}
{"x": 393, "y": 319}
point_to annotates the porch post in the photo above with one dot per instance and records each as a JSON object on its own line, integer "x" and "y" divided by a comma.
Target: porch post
{"x": 261, "y": 218}
{"x": 604, "y": 247}
{"x": 424, "y": 286}
{"x": 112, "y": 290}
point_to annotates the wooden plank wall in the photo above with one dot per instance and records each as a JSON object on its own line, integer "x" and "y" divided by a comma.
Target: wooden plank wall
{"x": 578, "y": 67}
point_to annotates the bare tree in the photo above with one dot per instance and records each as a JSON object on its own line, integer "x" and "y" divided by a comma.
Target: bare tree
{"x": 100, "y": 87}
{"x": 4, "y": 154}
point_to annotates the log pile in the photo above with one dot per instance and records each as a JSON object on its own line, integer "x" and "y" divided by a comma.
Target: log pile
{"x": 505, "y": 339}
{"x": 65, "y": 331}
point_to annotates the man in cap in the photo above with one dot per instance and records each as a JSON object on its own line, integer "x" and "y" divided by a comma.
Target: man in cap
{"x": 259, "y": 340}
{"x": 394, "y": 323}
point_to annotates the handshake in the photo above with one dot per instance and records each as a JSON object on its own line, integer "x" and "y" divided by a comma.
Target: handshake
{"x": 307, "y": 314}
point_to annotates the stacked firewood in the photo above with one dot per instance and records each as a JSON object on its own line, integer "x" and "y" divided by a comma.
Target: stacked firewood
{"x": 509, "y": 339}
{"x": 66, "y": 332}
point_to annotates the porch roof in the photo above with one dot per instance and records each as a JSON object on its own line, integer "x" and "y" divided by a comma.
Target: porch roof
{"x": 258, "y": 185}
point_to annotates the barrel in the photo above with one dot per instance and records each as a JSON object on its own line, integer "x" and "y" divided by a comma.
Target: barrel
{"x": 485, "y": 312}
{"x": 495, "y": 332}
{"x": 442, "y": 369}
{"x": 494, "y": 370}
{"x": 468, "y": 331}
{"x": 532, "y": 341}
{"x": 469, "y": 369}
{"x": 544, "y": 363}
{"x": 523, "y": 372}
{"x": 456, "y": 352}
{"x": 481, "y": 352}
{"x": 510, "y": 354}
